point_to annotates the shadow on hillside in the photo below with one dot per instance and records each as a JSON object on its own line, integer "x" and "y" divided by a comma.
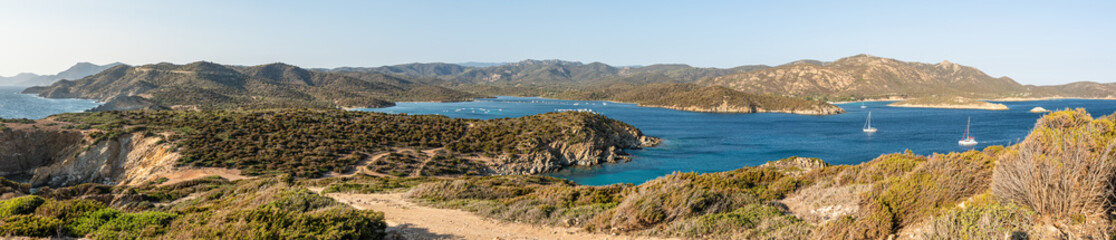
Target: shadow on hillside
{"x": 409, "y": 232}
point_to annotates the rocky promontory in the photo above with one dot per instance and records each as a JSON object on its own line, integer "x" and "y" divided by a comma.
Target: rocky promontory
{"x": 821, "y": 109}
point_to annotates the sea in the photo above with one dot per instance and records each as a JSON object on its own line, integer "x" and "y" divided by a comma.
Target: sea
{"x": 713, "y": 142}
{"x": 16, "y": 105}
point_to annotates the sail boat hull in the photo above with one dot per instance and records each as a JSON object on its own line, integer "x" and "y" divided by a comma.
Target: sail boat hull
{"x": 967, "y": 140}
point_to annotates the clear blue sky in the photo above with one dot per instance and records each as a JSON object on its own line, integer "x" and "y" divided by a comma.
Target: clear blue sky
{"x": 1047, "y": 42}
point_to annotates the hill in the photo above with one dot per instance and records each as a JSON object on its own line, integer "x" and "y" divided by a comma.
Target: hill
{"x": 869, "y": 77}
{"x": 865, "y": 76}
{"x": 205, "y": 85}
{"x": 79, "y": 70}
{"x": 546, "y": 73}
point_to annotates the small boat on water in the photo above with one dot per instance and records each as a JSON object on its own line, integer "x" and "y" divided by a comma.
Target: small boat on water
{"x": 868, "y": 124}
{"x": 967, "y": 140}
{"x": 862, "y": 105}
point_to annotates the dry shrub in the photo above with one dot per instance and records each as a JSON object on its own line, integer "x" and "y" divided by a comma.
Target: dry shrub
{"x": 880, "y": 168}
{"x": 986, "y": 221}
{"x": 683, "y": 195}
{"x": 753, "y": 221}
{"x": 1064, "y": 171}
{"x": 900, "y": 201}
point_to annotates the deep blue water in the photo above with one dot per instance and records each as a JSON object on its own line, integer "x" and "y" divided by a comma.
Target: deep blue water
{"x": 15, "y": 105}
{"x": 711, "y": 142}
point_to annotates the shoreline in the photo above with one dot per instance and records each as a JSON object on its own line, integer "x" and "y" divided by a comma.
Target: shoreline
{"x": 990, "y": 106}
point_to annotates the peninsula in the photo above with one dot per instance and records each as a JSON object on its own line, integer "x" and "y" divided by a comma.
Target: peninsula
{"x": 948, "y": 102}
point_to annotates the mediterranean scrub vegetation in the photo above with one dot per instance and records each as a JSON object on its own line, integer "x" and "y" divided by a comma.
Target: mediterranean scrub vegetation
{"x": 207, "y": 208}
{"x": 1057, "y": 184}
{"x": 310, "y": 142}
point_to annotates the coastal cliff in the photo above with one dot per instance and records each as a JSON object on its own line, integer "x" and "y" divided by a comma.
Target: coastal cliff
{"x": 57, "y": 157}
{"x": 127, "y": 159}
{"x": 22, "y": 150}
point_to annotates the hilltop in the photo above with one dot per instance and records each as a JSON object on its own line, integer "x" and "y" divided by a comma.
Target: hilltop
{"x": 205, "y": 85}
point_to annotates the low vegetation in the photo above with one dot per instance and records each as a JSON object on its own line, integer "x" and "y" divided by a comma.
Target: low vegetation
{"x": 208, "y": 208}
{"x": 309, "y": 142}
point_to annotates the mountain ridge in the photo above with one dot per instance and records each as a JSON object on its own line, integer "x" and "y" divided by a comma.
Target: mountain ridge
{"x": 77, "y": 71}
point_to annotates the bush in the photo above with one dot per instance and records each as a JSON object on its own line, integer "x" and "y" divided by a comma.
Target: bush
{"x": 29, "y": 225}
{"x": 993, "y": 221}
{"x": 753, "y": 221}
{"x": 1064, "y": 170}
{"x": 68, "y": 209}
{"x": 135, "y": 226}
{"x": 91, "y": 221}
{"x": 20, "y": 205}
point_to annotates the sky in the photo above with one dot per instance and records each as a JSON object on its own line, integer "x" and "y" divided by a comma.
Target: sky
{"x": 1033, "y": 42}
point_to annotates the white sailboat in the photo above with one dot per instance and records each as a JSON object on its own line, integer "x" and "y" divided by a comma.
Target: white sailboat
{"x": 862, "y": 105}
{"x": 868, "y": 124}
{"x": 967, "y": 140}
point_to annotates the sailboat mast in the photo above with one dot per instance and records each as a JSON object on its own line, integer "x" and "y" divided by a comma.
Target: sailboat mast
{"x": 967, "y": 128}
{"x": 868, "y": 123}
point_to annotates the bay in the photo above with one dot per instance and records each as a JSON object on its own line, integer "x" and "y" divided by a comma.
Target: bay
{"x": 713, "y": 142}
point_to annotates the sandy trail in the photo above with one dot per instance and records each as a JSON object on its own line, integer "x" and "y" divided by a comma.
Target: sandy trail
{"x": 414, "y": 221}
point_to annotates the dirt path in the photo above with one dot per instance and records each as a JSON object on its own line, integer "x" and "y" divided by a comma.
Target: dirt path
{"x": 413, "y": 221}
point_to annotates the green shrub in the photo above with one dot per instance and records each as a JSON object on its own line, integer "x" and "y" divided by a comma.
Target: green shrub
{"x": 20, "y": 205}
{"x": 271, "y": 222}
{"x": 68, "y": 209}
{"x": 91, "y": 221}
{"x": 29, "y": 225}
{"x": 135, "y": 226}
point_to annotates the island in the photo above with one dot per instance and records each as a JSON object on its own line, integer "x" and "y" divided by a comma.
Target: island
{"x": 952, "y": 102}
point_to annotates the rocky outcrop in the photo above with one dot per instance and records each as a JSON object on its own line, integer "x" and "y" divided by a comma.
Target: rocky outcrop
{"x": 21, "y": 151}
{"x": 796, "y": 165}
{"x": 127, "y": 159}
{"x": 600, "y": 147}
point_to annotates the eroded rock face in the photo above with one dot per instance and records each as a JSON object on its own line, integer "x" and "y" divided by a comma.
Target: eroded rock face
{"x": 21, "y": 151}
{"x": 127, "y": 159}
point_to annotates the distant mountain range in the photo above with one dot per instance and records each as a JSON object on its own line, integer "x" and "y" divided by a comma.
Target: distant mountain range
{"x": 858, "y": 77}
{"x": 78, "y": 71}
{"x": 205, "y": 85}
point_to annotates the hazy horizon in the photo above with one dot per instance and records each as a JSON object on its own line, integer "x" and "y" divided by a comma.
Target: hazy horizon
{"x": 1032, "y": 42}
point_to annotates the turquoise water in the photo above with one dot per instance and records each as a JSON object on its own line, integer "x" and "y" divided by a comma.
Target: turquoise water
{"x": 711, "y": 142}
{"x": 16, "y": 105}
